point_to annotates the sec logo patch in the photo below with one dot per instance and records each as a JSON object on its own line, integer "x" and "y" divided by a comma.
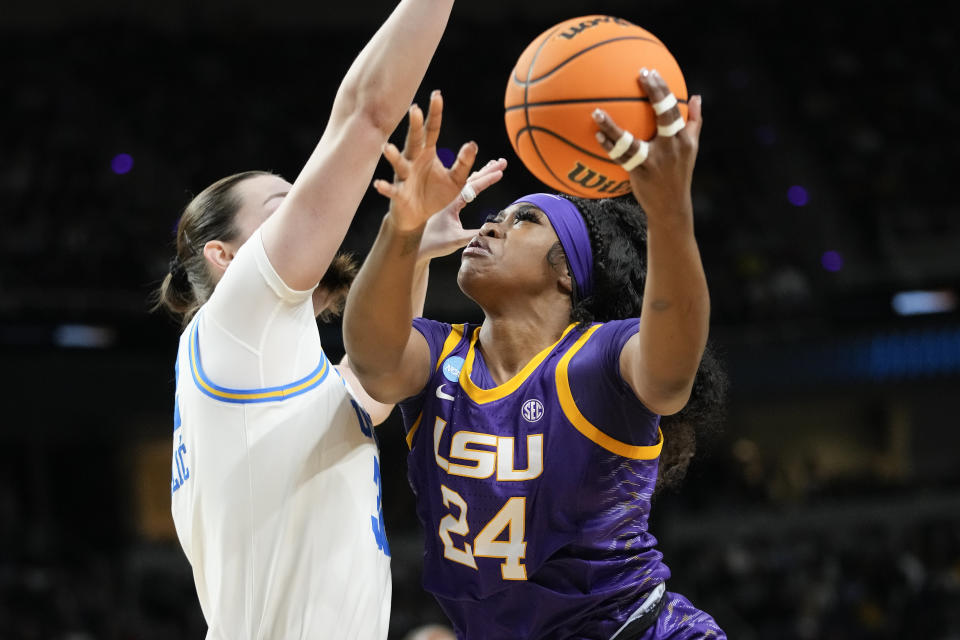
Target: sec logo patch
{"x": 532, "y": 410}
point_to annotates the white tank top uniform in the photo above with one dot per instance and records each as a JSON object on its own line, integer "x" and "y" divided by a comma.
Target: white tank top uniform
{"x": 276, "y": 478}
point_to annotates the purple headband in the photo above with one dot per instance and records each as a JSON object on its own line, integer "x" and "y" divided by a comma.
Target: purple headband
{"x": 573, "y": 235}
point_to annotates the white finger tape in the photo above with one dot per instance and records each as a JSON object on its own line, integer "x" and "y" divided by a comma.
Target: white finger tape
{"x": 662, "y": 106}
{"x": 626, "y": 139}
{"x": 468, "y": 193}
{"x": 638, "y": 157}
{"x": 670, "y": 130}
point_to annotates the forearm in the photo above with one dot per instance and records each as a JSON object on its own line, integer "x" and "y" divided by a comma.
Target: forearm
{"x": 303, "y": 236}
{"x": 384, "y": 78}
{"x": 675, "y": 318}
{"x": 380, "y": 306}
{"x": 418, "y": 292}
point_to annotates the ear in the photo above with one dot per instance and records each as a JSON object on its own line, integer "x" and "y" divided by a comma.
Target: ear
{"x": 557, "y": 259}
{"x": 321, "y": 300}
{"x": 564, "y": 281}
{"x": 218, "y": 255}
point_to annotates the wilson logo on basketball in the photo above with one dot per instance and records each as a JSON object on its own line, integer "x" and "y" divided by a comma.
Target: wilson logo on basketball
{"x": 532, "y": 410}
{"x": 594, "y": 181}
{"x": 577, "y": 29}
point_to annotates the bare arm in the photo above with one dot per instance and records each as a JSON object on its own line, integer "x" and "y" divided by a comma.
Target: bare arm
{"x": 302, "y": 237}
{"x": 389, "y": 357}
{"x": 380, "y": 411}
{"x": 661, "y": 361}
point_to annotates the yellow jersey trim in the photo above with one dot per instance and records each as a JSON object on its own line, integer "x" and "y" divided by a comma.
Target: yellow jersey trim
{"x": 584, "y": 426}
{"x": 413, "y": 431}
{"x": 453, "y": 339}
{"x": 483, "y": 396}
{"x": 246, "y": 396}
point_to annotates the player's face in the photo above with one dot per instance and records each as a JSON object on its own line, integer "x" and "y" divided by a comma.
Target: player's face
{"x": 259, "y": 197}
{"x": 509, "y": 256}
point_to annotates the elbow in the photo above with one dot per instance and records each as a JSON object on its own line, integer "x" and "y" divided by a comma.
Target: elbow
{"x": 378, "y": 116}
{"x": 383, "y": 389}
{"x": 668, "y": 397}
{"x": 372, "y": 372}
{"x": 362, "y": 362}
{"x": 359, "y": 103}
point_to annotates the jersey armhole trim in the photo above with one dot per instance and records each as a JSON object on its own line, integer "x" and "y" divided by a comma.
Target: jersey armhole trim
{"x": 413, "y": 430}
{"x": 453, "y": 339}
{"x": 248, "y": 396}
{"x": 584, "y": 426}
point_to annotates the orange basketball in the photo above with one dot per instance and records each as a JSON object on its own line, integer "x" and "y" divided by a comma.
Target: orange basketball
{"x": 567, "y": 72}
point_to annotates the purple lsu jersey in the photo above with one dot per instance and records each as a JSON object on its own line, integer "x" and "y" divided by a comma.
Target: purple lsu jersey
{"x": 534, "y": 495}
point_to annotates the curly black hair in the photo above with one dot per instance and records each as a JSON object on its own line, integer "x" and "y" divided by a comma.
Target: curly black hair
{"x": 618, "y": 237}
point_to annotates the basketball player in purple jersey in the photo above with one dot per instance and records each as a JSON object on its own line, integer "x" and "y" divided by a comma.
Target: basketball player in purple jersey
{"x": 535, "y": 437}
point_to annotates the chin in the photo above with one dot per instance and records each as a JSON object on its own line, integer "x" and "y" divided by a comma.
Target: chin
{"x": 469, "y": 282}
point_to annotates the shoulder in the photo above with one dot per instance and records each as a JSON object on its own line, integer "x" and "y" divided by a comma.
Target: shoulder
{"x": 592, "y": 364}
{"x": 597, "y": 400}
{"x": 441, "y": 337}
{"x": 601, "y": 343}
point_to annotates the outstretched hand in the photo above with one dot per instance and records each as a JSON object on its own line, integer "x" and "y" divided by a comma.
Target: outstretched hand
{"x": 661, "y": 181}
{"x": 444, "y": 232}
{"x": 422, "y": 186}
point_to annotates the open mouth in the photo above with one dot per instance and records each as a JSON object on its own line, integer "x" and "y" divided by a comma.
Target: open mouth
{"x": 476, "y": 247}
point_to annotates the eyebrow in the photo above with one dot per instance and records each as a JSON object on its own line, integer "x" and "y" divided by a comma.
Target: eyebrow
{"x": 276, "y": 195}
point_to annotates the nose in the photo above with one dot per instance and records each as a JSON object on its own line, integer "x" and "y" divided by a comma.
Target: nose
{"x": 491, "y": 229}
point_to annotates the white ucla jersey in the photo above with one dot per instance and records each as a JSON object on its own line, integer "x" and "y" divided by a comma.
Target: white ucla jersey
{"x": 275, "y": 489}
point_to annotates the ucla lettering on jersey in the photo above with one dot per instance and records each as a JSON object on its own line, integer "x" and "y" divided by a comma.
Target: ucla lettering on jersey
{"x": 181, "y": 473}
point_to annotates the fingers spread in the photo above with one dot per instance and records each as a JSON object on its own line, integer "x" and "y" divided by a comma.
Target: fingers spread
{"x": 494, "y": 165}
{"x": 606, "y": 124}
{"x": 434, "y": 118}
{"x": 465, "y": 159}
{"x": 415, "y": 134}
{"x": 618, "y": 143}
{"x": 401, "y": 166}
{"x": 485, "y": 180}
{"x": 653, "y": 85}
{"x": 479, "y": 181}
{"x": 604, "y": 141}
{"x": 384, "y": 188}
{"x": 664, "y": 103}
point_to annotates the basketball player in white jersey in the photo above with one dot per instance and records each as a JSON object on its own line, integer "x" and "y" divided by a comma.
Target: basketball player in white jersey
{"x": 276, "y": 480}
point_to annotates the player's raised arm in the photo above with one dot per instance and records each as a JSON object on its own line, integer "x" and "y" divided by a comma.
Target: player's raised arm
{"x": 661, "y": 361}
{"x": 302, "y": 237}
{"x": 388, "y": 356}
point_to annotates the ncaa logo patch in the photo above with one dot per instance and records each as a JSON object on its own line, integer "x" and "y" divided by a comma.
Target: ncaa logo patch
{"x": 532, "y": 410}
{"x": 451, "y": 368}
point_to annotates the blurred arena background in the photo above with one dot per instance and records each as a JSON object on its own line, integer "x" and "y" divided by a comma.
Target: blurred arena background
{"x": 826, "y": 211}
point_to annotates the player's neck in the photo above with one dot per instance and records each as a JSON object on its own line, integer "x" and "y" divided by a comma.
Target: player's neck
{"x": 508, "y": 342}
